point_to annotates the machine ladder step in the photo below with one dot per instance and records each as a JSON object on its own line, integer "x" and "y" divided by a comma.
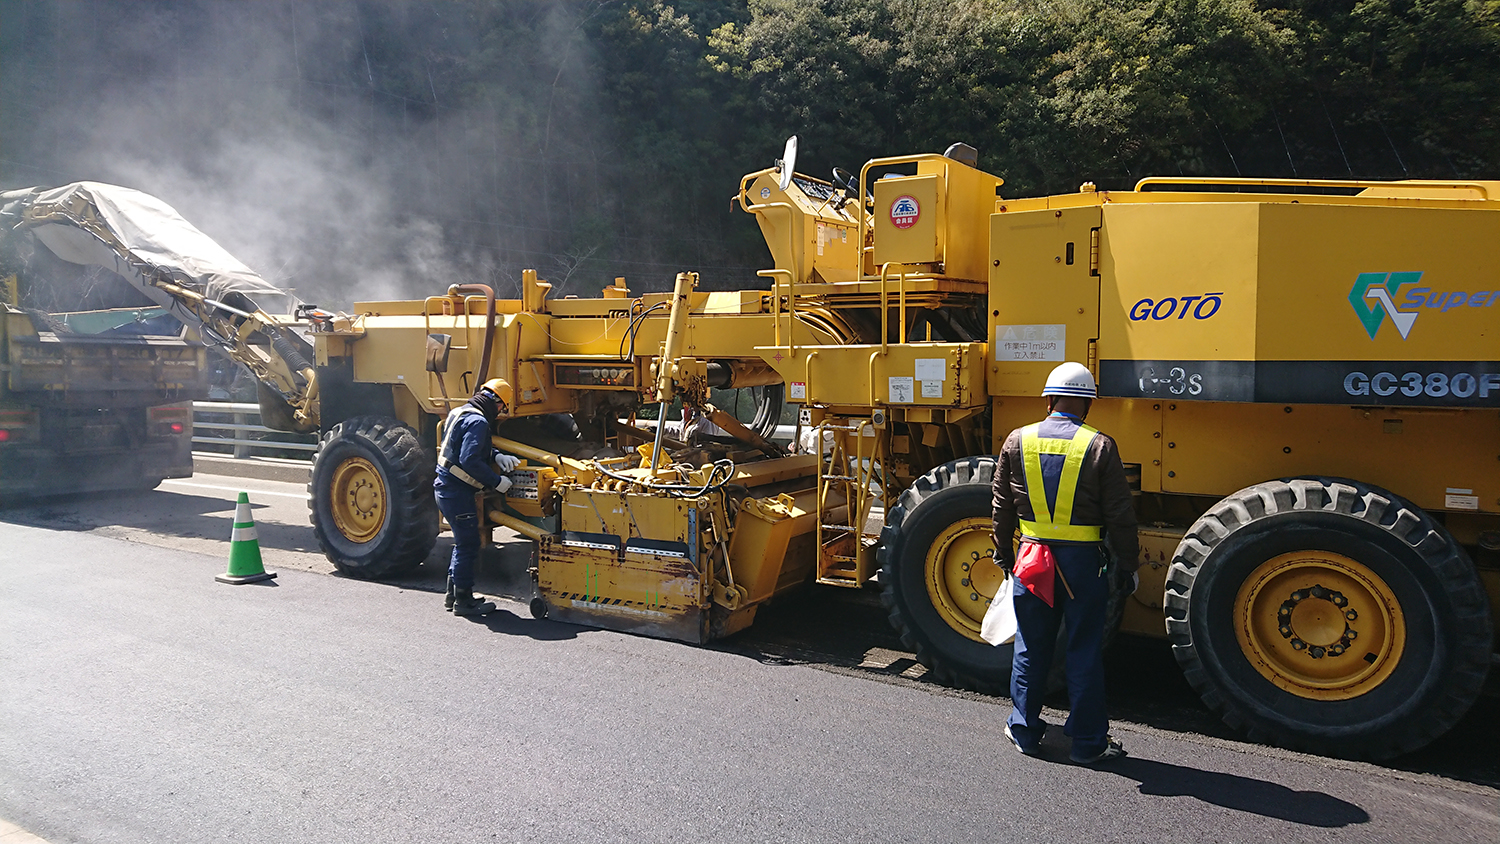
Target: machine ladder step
{"x": 841, "y": 571}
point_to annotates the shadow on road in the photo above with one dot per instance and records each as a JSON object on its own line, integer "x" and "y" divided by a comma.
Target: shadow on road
{"x": 1258, "y": 797}
{"x": 507, "y": 622}
{"x": 191, "y": 516}
{"x": 848, "y": 631}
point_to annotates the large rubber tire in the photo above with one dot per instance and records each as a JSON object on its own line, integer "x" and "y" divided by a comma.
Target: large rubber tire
{"x": 1424, "y": 618}
{"x": 946, "y": 638}
{"x": 950, "y": 648}
{"x": 371, "y": 498}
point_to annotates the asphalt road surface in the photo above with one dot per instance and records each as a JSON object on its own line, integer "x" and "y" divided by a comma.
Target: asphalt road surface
{"x": 140, "y": 701}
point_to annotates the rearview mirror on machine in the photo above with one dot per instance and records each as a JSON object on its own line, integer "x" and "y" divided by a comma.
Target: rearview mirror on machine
{"x": 437, "y": 352}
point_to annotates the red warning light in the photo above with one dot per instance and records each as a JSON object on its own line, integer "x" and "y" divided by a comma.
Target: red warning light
{"x": 4, "y": 435}
{"x": 176, "y": 427}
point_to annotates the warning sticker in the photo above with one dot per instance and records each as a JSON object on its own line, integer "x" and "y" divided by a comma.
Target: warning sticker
{"x": 932, "y": 369}
{"x": 905, "y": 211}
{"x": 1460, "y": 499}
{"x": 931, "y": 389}
{"x": 797, "y": 390}
{"x": 1031, "y": 342}
{"x": 901, "y": 389}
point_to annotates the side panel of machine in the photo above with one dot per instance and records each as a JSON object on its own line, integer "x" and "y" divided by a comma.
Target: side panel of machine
{"x": 397, "y": 358}
{"x": 1044, "y": 296}
{"x": 1300, "y": 304}
{"x": 1178, "y": 292}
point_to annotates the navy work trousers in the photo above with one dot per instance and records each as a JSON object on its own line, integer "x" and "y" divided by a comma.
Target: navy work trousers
{"x": 457, "y": 503}
{"x": 1036, "y": 640}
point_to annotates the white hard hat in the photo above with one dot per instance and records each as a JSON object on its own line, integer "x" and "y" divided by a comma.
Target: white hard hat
{"x": 1071, "y": 379}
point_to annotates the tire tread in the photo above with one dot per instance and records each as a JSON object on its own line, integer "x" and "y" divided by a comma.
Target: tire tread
{"x": 1470, "y": 617}
{"x": 413, "y": 509}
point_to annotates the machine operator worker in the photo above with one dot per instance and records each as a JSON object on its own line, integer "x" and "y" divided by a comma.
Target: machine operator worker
{"x": 1063, "y": 484}
{"x": 468, "y": 464}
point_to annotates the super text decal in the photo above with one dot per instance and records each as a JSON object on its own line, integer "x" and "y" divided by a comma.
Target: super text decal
{"x": 1400, "y": 298}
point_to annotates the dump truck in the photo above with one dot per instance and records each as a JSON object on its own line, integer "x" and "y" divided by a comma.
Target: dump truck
{"x": 86, "y": 406}
{"x": 1301, "y": 376}
{"x": 90, "y": 399}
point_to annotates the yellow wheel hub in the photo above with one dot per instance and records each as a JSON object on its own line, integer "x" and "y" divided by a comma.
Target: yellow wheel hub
{"x": 962, "y": 577}
{"x": 1319, "y": 625}
{"x": 359, "y": 499}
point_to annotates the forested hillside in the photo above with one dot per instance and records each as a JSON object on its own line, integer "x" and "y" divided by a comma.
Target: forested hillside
{"x": 356, "y": 149}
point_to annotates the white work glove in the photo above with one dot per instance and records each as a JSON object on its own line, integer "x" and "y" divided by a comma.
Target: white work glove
{"x": 1135, "y": 581}
{"x": 503, "y": 486}
{"x": 505, "y": 463}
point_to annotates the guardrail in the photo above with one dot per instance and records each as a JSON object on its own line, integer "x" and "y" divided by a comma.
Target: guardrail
{"x": 245, "y": 435}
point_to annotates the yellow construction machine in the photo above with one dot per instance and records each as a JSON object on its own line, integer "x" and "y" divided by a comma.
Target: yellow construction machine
{"x": 1303, "y": 378}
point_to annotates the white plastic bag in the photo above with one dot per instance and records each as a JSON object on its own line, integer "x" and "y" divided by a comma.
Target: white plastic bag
{"x": 999, "y": 627}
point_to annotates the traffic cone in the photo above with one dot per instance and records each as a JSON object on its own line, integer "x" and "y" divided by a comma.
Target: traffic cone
{"x": 245, "y": 565}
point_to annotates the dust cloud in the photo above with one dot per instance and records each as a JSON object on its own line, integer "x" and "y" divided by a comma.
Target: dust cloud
{"x": 340, "y": 149}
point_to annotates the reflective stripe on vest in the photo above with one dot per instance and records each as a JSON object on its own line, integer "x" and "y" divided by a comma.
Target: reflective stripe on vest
{"x": 444, "y": 461}
{"x": 1057, "y": 524}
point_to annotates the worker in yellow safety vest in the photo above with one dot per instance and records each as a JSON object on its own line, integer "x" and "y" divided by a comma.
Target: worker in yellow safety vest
{"x": 1062, "y": 483}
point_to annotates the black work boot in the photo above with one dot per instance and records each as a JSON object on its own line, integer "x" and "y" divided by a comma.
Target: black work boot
{"x": 448, "y": 599}
{"x": 464, "y": 603}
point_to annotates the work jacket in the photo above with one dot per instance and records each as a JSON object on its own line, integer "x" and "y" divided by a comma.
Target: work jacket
{"x": 1084, "y": 497}
{"x": 466, "y": 452}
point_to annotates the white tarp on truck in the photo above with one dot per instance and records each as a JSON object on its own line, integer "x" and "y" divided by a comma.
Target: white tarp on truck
{"x": 160, "y": 242}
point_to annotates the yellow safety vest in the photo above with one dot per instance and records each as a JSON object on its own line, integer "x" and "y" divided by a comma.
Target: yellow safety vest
{"x": 1056, "y": 525}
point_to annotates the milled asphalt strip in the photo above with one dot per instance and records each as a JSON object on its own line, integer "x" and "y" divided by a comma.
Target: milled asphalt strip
{"x": 12, "y": 834}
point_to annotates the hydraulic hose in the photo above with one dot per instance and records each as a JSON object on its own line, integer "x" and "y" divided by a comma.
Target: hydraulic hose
{"x": 679, "y": 490}
{"x": 289, "y": 353}
{"x": 489, "y": 324}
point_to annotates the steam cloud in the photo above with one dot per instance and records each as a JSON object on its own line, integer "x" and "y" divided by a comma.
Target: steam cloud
{"x": 301, "y": 138}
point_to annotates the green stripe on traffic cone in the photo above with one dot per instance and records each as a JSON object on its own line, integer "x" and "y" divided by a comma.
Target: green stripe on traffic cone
{"x": 245, "y": 565}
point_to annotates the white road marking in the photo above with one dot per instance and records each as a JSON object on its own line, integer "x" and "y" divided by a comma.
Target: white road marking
{"x": 236, "y": 489}
{"x": 1439, "y": 800}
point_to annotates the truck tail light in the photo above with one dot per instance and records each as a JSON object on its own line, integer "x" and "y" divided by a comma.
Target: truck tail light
{"x": 170, "y": 420}
{"x": 19, "y": 426}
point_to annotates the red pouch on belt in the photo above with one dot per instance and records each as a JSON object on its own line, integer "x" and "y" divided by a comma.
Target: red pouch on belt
{"x": 1036, "y": 569}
